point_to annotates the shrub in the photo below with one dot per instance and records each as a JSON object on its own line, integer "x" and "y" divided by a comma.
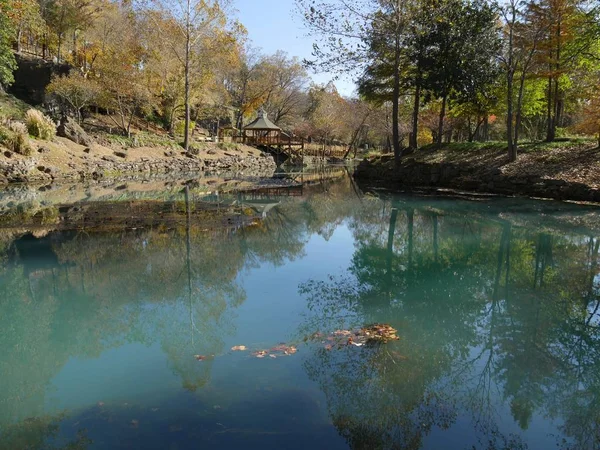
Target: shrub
{"x": 39, "y": 125}
{"x": 17, "y": 139}
{"x": 180, "y": 127}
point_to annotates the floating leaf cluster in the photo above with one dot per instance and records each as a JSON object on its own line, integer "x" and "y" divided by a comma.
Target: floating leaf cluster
{"x": 373, "y": 334}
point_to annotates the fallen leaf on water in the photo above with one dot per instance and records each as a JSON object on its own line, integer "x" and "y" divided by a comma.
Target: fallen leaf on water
{"x": 342, "y": 333}
{"x": 135, "y": 423}
{"x": 239, "y": 348}
{"x": 260, "y": 353}
{"x": 154, "y": 409}
{"x": 279, "y": 348}
{"x": 272, "y": 356}
{"x": 200, "y": 357}
{"x": 100, "y": 403}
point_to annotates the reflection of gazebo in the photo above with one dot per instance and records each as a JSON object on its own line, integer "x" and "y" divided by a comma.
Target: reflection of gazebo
{"x": 262, "y": 131}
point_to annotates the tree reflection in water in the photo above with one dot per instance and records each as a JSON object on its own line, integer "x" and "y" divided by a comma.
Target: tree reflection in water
{"x": 498, "y": 315}
{"x": 489, "y": 314}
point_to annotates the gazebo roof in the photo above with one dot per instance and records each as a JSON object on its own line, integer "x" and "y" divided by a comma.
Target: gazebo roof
{"x": 262, "y": 123}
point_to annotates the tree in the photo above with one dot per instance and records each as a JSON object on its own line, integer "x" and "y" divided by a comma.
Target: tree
{"x": 75, "y": 91}
{"x": 368, "y": 35}
{"x": 387, "y": 72}
{"x": 63, "y": 16}
{"x": 250, "y": 84}
{"x": 462, "y": 44}
{"x": 326, "y": 114}
{"x": 192, "y": 21}
{"x": 24, "y": 13}
{"x": 7, "y": 60}
{"x": 120, "y": 74}
{"x": 569, "y": 30}
{"x": 590, "y": 123}
{"x": 521, "y": 38}
{"x": 286, "y": 98}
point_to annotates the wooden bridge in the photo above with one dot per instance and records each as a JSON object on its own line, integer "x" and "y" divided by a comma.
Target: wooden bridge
{"x": 280, "y": 141}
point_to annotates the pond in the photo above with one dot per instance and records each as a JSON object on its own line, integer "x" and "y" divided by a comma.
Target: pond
{"x": 207, "y": 319}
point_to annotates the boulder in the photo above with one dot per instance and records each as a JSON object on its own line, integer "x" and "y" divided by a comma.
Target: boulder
{"x": 71, "y": 130}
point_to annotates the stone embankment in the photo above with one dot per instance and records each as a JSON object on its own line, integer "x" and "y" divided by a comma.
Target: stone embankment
{"x": 40, "y": 169}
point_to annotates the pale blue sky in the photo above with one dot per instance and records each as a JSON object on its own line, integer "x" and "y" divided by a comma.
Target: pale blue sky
{"x": 274, "y": 25}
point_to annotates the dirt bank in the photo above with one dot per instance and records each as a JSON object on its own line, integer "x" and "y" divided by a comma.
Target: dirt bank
{"x": 567, "y": 170}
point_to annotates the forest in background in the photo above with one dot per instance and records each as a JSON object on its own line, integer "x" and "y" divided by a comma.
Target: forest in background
{"x": 427, "y": 71}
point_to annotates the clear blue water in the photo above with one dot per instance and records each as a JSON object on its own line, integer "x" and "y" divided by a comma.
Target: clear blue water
{"x": 495, "y": 302}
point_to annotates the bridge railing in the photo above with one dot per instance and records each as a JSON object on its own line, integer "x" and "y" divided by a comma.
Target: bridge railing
{"x": 270, "y": 140}
{"x": 319, "y": 150}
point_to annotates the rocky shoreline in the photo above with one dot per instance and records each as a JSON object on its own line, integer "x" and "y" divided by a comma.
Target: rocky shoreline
{"x": 39, "y": 169}
{"x": 413, "y": 174}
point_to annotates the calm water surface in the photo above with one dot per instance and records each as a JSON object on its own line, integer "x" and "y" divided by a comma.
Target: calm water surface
{"x": 105, "y": 304}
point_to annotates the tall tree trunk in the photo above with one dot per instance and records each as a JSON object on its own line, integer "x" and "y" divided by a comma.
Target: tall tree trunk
{"x": 413, "y": 144}
{"x": 186, "y": 140}
{"x": 519, "y": 113}
{"x": 512, "y": 153}
{"x": 45, "y": 44}
{"x": 59, "y": 47}
{"x": 440, "y": 135}
{"x": 396, "y": 104}
{"x": 486, "y": 129}
{"x": 75, "y": 47}
{"x": 550, "y": 126}
{"x": 355, "y": 136}
{"x": 19, "y": 37}
{"x": 510, "y": 75}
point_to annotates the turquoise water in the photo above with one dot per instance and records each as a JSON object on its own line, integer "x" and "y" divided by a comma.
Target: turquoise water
{"x": 496, "y": 303}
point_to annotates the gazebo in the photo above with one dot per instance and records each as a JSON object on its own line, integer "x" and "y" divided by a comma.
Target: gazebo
{"x": 262, "y": 131}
